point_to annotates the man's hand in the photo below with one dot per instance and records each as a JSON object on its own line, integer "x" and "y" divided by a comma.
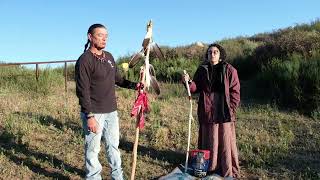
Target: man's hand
{"x": 92, "y": 124}
{"x": 140, "y": 86}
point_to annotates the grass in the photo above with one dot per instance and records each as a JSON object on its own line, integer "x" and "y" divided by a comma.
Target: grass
{"x": 41, "y": 136}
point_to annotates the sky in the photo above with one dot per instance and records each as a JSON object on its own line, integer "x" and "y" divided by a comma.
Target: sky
{"x": 40, "y": 30}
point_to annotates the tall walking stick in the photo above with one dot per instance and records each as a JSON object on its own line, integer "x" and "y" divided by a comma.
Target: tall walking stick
{"x": 189, "y": 126}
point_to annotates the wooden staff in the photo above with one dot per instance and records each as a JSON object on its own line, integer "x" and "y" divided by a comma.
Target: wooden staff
{"x": 136, "y": 141}
{"x": 189, "y": 127}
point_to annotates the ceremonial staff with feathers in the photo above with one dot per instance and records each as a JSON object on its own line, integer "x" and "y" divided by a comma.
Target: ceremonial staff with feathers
{"x": 147, "y": 79}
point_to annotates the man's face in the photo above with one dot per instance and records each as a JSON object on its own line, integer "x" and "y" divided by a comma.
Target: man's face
{"x": 98, "y": 38}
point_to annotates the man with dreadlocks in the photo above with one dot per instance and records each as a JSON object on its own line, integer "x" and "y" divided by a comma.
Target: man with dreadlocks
{"x": 96, "y": 76}
{"x": 219, "y": 87}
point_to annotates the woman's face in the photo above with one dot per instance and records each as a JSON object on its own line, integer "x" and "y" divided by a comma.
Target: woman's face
{"x": 214, "y": 55}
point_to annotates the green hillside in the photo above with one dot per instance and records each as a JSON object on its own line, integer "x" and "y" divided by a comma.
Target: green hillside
{"x": 278, "y": 121}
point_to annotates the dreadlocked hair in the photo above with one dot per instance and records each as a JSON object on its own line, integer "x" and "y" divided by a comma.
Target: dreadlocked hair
{"x": 90, "y": 31}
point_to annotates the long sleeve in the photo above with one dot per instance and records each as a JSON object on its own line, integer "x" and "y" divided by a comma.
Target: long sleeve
{"x": 234, "y": 89}
{"x": 83, "y": 78}
{"x": 195, "y": 85}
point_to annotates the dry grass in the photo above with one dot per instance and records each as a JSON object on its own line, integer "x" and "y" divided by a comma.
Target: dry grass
{"x": 41, "y": 137}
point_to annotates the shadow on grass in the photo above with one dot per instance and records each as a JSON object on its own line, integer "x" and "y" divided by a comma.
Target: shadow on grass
{"x": 172, "y": 157}
{"x": 301, "y": 159}
{"x": 169, "y": 156}
{"x": 304, "y": 164}
{"x": 49, "y": 120}
{"x": 19, "y": 153}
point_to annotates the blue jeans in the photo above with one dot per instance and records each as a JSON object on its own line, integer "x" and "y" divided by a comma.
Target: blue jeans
{"x": 108, "y": 130}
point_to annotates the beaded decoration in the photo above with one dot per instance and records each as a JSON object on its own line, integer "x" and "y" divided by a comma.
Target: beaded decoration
{"x": 102, "y": 58}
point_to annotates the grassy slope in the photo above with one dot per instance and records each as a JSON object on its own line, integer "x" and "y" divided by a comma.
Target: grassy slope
{"x": 40, "y": 137}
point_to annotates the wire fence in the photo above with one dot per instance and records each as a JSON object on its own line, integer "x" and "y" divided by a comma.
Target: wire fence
{"x": 37, "y": 70}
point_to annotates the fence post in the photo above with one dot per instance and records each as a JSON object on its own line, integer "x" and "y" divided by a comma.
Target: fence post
{"x": 65, "y": 86}
{"x": 37, "y": 71}
{"x": 65, "y": 77}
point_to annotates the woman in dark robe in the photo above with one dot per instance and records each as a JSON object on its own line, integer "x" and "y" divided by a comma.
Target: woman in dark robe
{"x": 218, "y": 84}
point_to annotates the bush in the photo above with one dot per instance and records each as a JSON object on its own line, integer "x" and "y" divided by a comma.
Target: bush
{"x": 246, "y": 67}
{"x": 309, "y": 85}
{"x": 239, "y": 54}
{"x": 192, "y": 51}
{"x": 23, "y": 80}
{"x": 286, "y": 43}
{"x": 302, "y": 42}
{"x": 315, "y": 25}
{"x": 169, "y": 70}
{"x": 293, "y": 82}
{"x": 239, "y": 48}
{"x": 70, "y": 71}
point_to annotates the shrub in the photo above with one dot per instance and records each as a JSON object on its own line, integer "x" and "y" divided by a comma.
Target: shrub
{"x": 286, "y": 43}
{"x": 239, "y": 48}
{"x": 293, "y": 82}
{"x": 239, "y": 54}
{"x": 309, "y": 85}
{"x": 22, "y": 79}
{"x": 167, "y": 71}
{"x": 70, "y": 71}
{"x": 302, "y": 42}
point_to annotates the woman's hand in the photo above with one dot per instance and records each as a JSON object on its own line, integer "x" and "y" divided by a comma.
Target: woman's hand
{"x": 185, "y": 78}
